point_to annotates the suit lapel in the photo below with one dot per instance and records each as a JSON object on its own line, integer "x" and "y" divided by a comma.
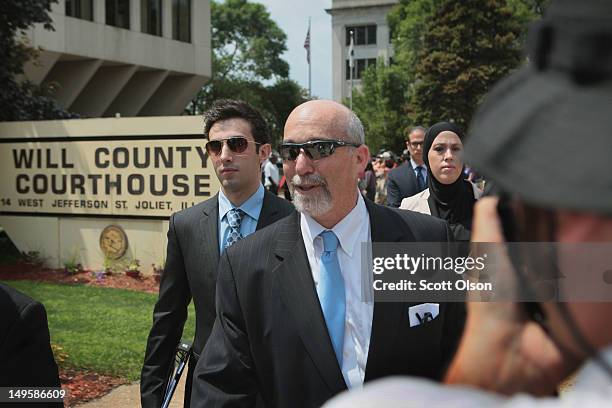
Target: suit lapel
{"x": 209, "y": 231}
{"x": 414, "y": 184}
{"x": 384, "y": 227}
{"x": 299, "y": 295}
{"x": 269, "y": 211}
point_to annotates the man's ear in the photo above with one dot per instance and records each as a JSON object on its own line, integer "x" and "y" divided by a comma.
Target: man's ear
{"x": 264, "y": 152}
{"x": 362, "y": 155}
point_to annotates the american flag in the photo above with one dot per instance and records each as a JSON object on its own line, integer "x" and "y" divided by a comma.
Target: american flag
{"x": 307, "y": 45}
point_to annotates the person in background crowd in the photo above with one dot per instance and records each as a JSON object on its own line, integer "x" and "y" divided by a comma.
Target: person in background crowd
{"x": 524, "y": 139}
{"x": 411, "y": 177}
{"x": 369, "y": 182}
{"x": 271, "y": 174}
{"x": 284, "y": 188}
{"x": 382, "y": 171}
{"x": 238, "y": 141}
{"x": 448, "y": 196}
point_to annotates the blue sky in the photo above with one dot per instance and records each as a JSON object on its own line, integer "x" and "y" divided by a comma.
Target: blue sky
{"x": 292, "y": 17}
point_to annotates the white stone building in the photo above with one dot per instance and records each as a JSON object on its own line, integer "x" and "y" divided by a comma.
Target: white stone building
{"x": 368, "y": 21}
{"x": 127, "y": 57}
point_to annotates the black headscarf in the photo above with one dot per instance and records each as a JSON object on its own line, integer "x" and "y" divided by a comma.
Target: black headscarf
{"x": 451, "y": 202}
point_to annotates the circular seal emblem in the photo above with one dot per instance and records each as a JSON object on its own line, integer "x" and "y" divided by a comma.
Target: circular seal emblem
{"x": 113, "y": 242}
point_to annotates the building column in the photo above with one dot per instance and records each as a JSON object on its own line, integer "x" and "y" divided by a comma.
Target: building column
{"x": 135, "y": 16}
{"x": 99, "y": 11}
{"x": 201, "y": 29}
{"x": 167, "y": 19}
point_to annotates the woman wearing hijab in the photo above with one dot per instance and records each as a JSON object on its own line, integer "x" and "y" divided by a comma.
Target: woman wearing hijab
{"x": 448, "y": 196}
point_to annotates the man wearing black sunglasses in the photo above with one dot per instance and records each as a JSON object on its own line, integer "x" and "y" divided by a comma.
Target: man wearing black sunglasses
{"x": 238, "y": 141}
{"x": 292, "y": 325}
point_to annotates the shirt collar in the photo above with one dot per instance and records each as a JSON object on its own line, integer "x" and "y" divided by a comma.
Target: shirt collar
{"x": 344, "y": 230}
{"x": 252, "y": 206}
{"x": 414, "y": 165}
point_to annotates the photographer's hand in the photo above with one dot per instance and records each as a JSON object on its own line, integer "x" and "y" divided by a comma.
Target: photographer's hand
{"x": 500, "y": 349}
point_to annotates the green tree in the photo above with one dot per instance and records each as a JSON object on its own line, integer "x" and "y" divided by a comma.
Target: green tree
{"x": 379, "y": 104}
{"x": 407, "y": 22}
{"x": 282, "y": 97}
{"x": 21, "y": 99}
{"x": 247, "y": 43}
{"x": 247, "y": 47}
{"x": 526, "y": 11}
{"x": 466, "y": 47}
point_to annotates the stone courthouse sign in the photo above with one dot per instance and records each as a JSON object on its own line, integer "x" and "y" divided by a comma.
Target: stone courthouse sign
{"x": 63, "y": 182}
{"x": 137, "y": 177}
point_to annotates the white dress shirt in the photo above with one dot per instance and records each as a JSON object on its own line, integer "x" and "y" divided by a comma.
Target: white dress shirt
{"x": 270, "y": 173}
{"x": 352, "y": 231}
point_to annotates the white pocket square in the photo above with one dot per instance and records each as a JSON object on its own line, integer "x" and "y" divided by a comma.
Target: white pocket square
{"x": 423, "y": 313}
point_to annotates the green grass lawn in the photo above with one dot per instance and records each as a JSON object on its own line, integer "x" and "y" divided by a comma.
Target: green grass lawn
{"x": 100, "y": 329}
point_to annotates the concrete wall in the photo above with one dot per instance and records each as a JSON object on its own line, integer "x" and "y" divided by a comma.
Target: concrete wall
{"x": 92, "y": 62}
{"x": 59, "y": 239}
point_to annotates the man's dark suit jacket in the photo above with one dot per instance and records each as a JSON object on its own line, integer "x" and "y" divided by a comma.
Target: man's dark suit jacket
{"x": 270, "y": 335}
{"x": 26, "y": 358}
{"x": 401, "y": 183}
{"x": 190, "y": 272}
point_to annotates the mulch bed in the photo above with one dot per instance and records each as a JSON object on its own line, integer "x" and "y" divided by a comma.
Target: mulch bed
{"x": 25, "y": 271}
{"x": 82, "y": 386}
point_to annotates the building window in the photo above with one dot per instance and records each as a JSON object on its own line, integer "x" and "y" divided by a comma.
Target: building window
{"x": 361, "y": 64}
{"x": 82, "y": 9}
{"x": 364, "y": 35}
{"x": 181, "y": 20}
{"x": 118, "y": 13}
{"x": 151, "y": 17}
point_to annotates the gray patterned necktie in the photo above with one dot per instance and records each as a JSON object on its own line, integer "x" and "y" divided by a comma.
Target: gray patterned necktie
{"x": 234, "y": 218}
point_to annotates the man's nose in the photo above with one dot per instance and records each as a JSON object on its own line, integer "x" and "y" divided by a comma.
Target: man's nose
{"x": 226, "y": 153}
{"x": 303, "y": 164}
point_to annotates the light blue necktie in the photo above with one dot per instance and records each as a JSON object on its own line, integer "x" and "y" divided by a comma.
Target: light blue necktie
{"x": 234, "y": 219}
{"x": 331, "y": 292}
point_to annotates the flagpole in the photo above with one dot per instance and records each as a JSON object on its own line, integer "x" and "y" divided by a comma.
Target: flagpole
{"x": 351, "y": 65}
{"x": 309, "y": 67}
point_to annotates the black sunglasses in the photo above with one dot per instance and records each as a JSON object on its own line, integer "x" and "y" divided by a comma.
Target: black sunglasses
{"x": 314, "y": 149}
{"x": 236, "y": 144}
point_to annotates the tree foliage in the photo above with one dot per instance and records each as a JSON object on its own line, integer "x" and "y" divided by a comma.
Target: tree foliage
{"x": 379, "y": 105}
{"x": 21, "y": 99}
{"x": 447, "y": 56}
{"x": 467, "y": 47}
{"x": 247, "y": 64}
{"x": 407, "y": 22}
{"x": 247, "y": 43}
